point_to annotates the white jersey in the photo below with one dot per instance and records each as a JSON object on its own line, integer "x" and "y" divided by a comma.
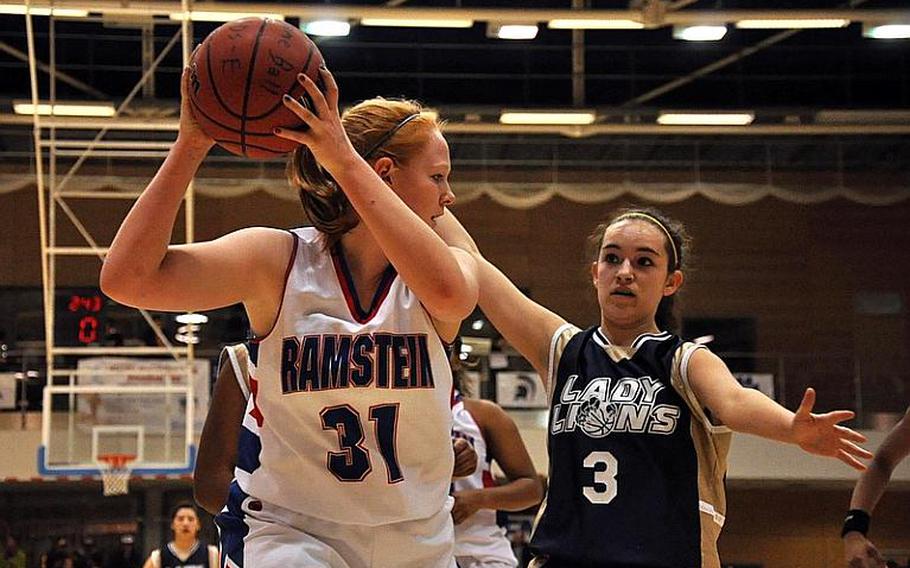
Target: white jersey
{"x": 348, "y": 419}
{"x": 478, "y": 537}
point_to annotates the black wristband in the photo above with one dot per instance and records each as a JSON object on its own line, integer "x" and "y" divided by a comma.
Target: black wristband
{"x": 857, "y": 520}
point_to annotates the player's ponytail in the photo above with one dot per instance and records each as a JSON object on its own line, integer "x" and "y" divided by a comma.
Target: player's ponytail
{"x": 377, "y": 127}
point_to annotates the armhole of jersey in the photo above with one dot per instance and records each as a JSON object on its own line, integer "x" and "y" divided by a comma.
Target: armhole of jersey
{"x": 238, "y": 372}
{"x": 552, "y": 362}
{"x": 284, "y": 289}
{"x": 686, "y": 350}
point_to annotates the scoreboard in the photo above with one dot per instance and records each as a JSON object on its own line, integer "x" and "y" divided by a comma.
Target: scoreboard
{"x": 78, "y": 317}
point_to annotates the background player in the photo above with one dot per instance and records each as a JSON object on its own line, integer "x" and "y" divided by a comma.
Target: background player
{"x": 639, "y": 419}
{"x": 859, "y": 552}
{"x": 185, "y": 550}
{"x": 221, "y": 433}
{"x": 479, "y": 541}
{"x": 345, "y": 456}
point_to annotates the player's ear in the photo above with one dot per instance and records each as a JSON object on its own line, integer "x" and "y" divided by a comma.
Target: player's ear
{"x": 383, "y": 168}
{"x": 674, "y": 282}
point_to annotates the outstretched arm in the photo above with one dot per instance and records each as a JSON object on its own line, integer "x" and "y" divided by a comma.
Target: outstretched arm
{"x": 858, "y": 550}
{"x": 749, "y": 411}
{"x": 443, "y": 280}
{"x": 505, "y": 445}
{"x": 525, "y": 324}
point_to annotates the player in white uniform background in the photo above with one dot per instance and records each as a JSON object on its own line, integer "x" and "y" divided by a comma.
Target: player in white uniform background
{"x": 345, "y": 458}
{"x": 479, "y": 541}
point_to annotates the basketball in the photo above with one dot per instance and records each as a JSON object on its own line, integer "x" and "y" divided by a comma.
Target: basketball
{"x": 239, "y": 74}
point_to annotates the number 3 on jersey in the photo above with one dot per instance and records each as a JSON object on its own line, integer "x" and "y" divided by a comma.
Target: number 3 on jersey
{"x": 353, "y": 462}
{"x": 604, "y": 489}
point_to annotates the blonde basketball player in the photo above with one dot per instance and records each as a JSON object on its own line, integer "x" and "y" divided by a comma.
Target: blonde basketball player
{"x": 344, "y": 457}
{"x": 639, "y": 419}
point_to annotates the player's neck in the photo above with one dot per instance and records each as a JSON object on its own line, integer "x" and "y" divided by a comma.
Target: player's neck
{"x": 184, "y": 542}
{"x": 624, "y": 334}
{"x": 364, "y": 257}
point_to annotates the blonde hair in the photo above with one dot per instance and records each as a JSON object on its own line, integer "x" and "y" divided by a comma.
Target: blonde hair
{"x": 394, "y": 128}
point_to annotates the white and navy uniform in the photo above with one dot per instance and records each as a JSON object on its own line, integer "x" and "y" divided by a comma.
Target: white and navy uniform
{"x": 199, "y": 556}
{"x": 636, "y": 465}
{"x": 345, "y": 456}
{"x": 479, "y": 541}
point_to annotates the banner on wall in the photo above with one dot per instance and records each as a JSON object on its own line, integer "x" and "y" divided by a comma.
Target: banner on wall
{"x": 156, "y": 412}
{"x": 763, "y": 382}
{"x": 520, "y": 389}
{"x": 7, "y": 391}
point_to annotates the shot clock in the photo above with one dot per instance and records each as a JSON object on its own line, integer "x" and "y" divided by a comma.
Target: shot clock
{"x": 78, "y": 317}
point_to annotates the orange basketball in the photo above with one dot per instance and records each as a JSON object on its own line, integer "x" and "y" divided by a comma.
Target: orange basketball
{"x": 239, "y": 74}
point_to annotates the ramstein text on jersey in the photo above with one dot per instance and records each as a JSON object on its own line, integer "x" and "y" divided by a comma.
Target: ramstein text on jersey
{"x": 381, "y": 360}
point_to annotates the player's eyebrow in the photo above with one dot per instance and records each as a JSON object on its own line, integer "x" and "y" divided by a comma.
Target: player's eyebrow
{"x": 639, "y": 249}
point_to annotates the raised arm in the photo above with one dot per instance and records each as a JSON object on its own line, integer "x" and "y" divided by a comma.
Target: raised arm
{"x": 749, "y": 411}
{"x": 527, "y": 325}
{"x": 142, "y": 270}
{"x": 443, "y": 279}
{"x": 218, "y": 443}
{"x": 505, "y": 445}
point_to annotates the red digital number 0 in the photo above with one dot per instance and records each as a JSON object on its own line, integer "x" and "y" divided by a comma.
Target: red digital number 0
{"x": 88, "y": 330}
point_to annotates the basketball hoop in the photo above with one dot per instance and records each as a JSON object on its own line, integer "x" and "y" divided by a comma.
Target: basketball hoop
{"x": 115, "y": 473}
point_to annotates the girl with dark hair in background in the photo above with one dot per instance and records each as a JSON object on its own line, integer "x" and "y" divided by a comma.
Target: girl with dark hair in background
{"x": 185, "y": 550}
{"x": 639, "y": 418}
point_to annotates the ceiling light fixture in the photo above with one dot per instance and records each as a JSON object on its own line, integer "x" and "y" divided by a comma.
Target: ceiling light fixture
{"x": 793, "y": 24}
{"x": 417, "y": 22}
{"x": 327, "y": 28}
{"x": 69, "y": 108}
{"x": 192, "y": 318}
{"x": 19, "y": 9}
{"x": 699, "y": 33}
{"x": 512, "y": 31}
{"x": 207, "y": 16}
{"x": 547, "y": 117}
{"x": 593, "y": 24}
{"x": 887, "y": 31}
{"x": 676, "y": 118}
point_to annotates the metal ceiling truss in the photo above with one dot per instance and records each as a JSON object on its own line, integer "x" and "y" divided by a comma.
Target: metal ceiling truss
{"x": 52, "y": 145}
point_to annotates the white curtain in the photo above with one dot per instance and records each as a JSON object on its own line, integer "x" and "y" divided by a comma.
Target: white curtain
{"x": 521, "y": 195}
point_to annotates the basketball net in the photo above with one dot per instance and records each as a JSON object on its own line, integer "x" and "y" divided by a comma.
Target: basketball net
{"x": 115, "y": 473}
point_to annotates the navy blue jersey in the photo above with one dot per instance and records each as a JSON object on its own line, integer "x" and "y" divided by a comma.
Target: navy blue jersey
{"x": 636, "y": 469}
{"x": 198, "y": 558}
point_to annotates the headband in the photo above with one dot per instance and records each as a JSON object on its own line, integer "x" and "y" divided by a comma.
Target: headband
{"x": 657, "y": 222}
{"x": 388, "y": 135}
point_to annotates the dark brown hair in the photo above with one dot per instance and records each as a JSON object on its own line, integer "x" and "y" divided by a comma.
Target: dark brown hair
{"x": 678, "y": 252}
{"x": 367, "y": 124}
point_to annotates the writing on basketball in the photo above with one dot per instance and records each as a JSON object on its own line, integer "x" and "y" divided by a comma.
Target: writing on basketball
{"x": 629, "y": 404}
{"x": 382, "y": 360}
